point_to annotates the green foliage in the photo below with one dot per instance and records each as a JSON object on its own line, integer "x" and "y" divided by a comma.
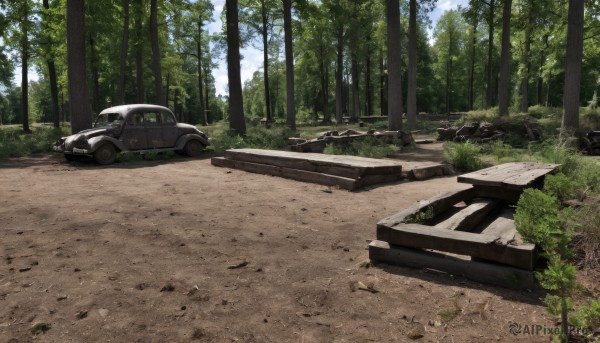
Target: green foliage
{"x": 368, "y": 147}
{"x": 15, "y": 143}
{"x": 560, "y": 186}
{"x": 464, "y": 156}
{"x": 258, "y": 137}
{"x": 588, "y": 316}
{"x": 421, "y": 217}
{"x": 541, "y": 112}
{"x": 536, "y": 219}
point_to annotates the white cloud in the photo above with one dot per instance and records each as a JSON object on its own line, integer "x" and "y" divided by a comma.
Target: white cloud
{"x": 447, "y": 5}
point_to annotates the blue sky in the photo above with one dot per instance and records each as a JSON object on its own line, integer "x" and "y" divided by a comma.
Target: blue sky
{"x": 252, "y": 58}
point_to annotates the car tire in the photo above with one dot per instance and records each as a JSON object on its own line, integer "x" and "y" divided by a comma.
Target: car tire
{"x": 105, "y": 154}
{"x": 72, "y": 158}
{"x": 193, "y": 148}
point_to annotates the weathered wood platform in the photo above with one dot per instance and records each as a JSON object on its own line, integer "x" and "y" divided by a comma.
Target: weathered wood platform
{"x": 469, "y": 232}
{"x": 347, "y": 172}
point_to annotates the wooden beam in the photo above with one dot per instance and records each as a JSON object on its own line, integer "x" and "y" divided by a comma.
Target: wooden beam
{"x": 478, "y": 271}
{"x": 515, "y": 175}
{"x": 483, "y": 246}
{"x": 468, "y": 218}
{"x": 295, "y": 174}
{"x": 438, "y": 204}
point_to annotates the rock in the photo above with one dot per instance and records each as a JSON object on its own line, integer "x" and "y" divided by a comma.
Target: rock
{"x": 168, "y": 288}
{"x": 103, "y": 312}
{"x": 416, "y": 332}
{"x": 81, "y": 314}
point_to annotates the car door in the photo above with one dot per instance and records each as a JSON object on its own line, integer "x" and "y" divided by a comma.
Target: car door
{"x": 170, "y": 130}
{"x": 153, "y": 122}
{"x": 133, "y": 135}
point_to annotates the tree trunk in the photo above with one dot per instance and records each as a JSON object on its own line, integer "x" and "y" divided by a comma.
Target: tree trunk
{"x": 368, "y": 88}
{"x": 339, "y": 77}
{"x": 203, "y": 117}
{"x": 382, "y": 85}
{"x": 573, "y": 65}
{"x": 52, "y": 74}
{"x": 265, "y": 41}
{"x": 355, "y": 90}
{"x": 79, "y": 104}
{"x": 394, "y": 71}
{"x": 324, "y": 90}
{"x": 236, "y": 101}
{"x": 25, "y": 68}
{"x": 124, "y": 49}
{"x": 527, "y": 65}
{"x": 490, "y": 70}
{"x": 289, "y": 65}
{"x": 449, "y": 75}
{"x": 503, "y": 83}
{"x": 206, "y": 89}
{"x": 139, "y": 51}
{"x": 411, "y": 101}
{"x": 471, "y": 89}
{"x": 95, "y": 77}
{"x": 156, "y": 67}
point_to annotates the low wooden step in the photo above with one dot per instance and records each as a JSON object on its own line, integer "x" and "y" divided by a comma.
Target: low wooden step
{"x": 290, "y": 173}
{"x": 340, "y": 165}
{"x": 483, "y": 246}
{"x": 489, "y": 273}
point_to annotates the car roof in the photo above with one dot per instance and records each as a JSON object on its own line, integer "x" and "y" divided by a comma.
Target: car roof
{"x": 124, "y": 109}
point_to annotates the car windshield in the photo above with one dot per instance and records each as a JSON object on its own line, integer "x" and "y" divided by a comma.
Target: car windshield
{"x": 109, "y": 119}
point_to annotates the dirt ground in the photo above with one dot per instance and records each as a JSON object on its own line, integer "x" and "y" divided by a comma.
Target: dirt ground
{"x": 145, "y": 251}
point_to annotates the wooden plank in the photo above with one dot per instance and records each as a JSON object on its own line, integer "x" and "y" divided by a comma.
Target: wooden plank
{"x": 494, "y": 274}
{"x": 464, "y": 243}
{"x": 295, "y": 174}
{"x": 469, "y": 217}
{"x": 502, "y": 193}
{"x": 504, "y": 228}
{"x": 515, "y": 175}
{"x": 369, "y": 180}
{"x": 438, "y": 204}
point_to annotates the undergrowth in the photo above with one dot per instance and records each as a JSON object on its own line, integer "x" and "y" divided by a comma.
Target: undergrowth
{"x": 368, "y": 147}
{"x": 16, "y": 143}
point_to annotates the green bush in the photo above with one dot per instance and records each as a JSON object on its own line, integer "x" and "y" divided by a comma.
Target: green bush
{"x": 15, "y": 143}
{"x": 368, "y": 147}
{"x": 536, "y": 219}
{"x": 540, "y": 112}
{"x": 258, "y": 137}
{"x": 560, "y": 186}
{"x": 464, "y": 156}
{"x": 588, "y": 316}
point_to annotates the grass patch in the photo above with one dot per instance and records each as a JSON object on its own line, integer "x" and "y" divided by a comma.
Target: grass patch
{"x": 16, "y": 143}
{"x": 257, "y": 137}
{"x": 464, "y": 156}
{"x": 368, "y": 147}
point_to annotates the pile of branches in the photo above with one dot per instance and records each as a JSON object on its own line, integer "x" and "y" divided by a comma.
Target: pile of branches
{"x": 483, "y": 132}
{"x": 348, "y": 137}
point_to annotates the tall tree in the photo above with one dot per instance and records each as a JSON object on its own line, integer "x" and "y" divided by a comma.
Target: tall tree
{"x": 139, "y": 52}
{"x": 79, "y": 104}
{"x": 123, "y": 55}
{"x": 289, "y": 65}
{"x": 49, "y": 56}
{"x": 572, "y": 86}
{"x": 156, "y": 57}
{"x": 236, "y": 101}
{"x": 411, "y": 101}
{"x": 503, "y": 83}
{"x": 526, "y": 60}
{"x": 24, "y": 12}
{"x": 394, "y": 71}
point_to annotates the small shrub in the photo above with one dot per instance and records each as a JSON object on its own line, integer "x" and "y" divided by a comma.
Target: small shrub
{"x": 536, "y": 219}
{"x": 588, "y": 316}
{"x": 368, "y": 147}
{"x": 226, "y": 140}
{"x": 560, "y": 186}
{"x": 464, "y": 156}
{"x": 15, "y": 143}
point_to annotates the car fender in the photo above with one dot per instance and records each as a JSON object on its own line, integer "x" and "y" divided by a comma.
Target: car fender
{"x": 96, "y": 142}
{"x": 185, "y": 138}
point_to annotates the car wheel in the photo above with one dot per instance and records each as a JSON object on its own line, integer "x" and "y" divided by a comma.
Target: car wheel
{"x": 193, "y": 148}
{"x": 72, "y": 158}
{"x": 105, "y": 154}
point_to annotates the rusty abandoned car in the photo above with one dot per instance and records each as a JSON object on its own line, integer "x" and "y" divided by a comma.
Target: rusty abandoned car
{"x": 132, "y": 128}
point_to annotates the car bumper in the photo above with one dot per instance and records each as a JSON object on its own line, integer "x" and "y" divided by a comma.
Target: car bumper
{"x": 74, "y": 151}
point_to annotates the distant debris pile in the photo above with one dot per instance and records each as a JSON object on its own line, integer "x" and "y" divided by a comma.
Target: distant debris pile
{"x": 590, "y": 143}
{"x": 482, "y": 132}
{"x": 348, "y": 137}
